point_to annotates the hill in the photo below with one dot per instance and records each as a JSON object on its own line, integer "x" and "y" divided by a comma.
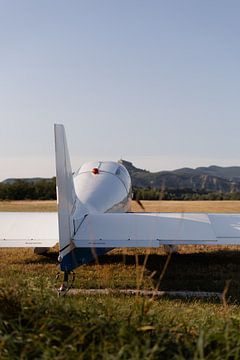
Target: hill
{"x": 207, "y": 179}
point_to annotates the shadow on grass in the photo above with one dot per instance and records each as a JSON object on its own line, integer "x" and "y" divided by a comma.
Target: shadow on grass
{"x": 190, "y": 272}
{"x": 47, "y": 258}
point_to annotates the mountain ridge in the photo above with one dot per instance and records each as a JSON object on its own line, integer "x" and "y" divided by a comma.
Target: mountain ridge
{"x": 211, "y": 178}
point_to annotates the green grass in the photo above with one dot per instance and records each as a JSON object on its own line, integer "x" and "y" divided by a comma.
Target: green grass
{"x": 37, "y": 324}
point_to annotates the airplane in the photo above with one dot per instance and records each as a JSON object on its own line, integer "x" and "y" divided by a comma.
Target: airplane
{"x": 94, "y": 216}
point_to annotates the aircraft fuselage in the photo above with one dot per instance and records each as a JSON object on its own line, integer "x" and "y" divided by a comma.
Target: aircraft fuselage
{"x": 103, "y": 187}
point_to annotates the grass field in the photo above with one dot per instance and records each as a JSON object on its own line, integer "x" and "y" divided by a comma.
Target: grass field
{"x": 36, "y": 324}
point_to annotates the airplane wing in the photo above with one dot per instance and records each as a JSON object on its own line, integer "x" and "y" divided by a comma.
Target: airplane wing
{"x": 155, "y": 229}
{"x": 28, "y": 229}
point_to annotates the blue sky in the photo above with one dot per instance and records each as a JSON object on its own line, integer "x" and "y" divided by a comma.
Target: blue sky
{"x": 155, "y": 82}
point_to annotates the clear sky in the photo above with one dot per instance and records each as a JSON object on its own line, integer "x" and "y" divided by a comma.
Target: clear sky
{"x": 156, "y": 82}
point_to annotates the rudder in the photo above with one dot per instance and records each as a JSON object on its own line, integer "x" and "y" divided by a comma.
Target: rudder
{"x": 66, "y": 195}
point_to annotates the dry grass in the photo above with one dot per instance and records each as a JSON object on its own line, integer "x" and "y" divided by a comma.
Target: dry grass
{"x": 28, "y": 206}
{"x": 150, "y": 206}
{"x": 188, "y": 206}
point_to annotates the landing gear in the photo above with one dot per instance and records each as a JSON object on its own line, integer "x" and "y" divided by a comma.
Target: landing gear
{"x": 65, "y": 286}
{"x": 171, "y": 249}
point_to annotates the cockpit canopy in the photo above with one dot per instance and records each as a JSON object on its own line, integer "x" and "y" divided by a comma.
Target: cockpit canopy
{"x": 110, "y": 167}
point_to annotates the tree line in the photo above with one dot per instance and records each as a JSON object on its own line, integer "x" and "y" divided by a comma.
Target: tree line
{"x": 185, "y": 194}
{"x": 45, "y": 189}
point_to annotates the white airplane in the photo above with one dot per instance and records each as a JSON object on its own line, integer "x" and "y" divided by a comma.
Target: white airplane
{"x": 94, "y": 217}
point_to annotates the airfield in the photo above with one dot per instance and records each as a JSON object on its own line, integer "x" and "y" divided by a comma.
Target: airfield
{"x": 36, "y": 323}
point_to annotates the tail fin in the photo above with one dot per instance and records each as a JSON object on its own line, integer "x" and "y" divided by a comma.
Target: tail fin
{"x": 65, "y": 188}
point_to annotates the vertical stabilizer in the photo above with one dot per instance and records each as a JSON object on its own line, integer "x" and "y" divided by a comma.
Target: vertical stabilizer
{"x": 65, "y": 188}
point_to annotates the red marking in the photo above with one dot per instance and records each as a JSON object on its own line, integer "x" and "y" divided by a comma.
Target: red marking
{"x": 95, "y": 171}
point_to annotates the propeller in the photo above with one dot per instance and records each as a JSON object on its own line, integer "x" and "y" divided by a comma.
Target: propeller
{"x": 140, "y": 204}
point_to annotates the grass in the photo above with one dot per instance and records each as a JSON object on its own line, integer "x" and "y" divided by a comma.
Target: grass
{"x": 189, "y": 206}
{"x": 36, "y": 324}
{"x": 28, "y": 205}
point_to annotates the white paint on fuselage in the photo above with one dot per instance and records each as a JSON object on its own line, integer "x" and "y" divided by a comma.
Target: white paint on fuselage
{"x": 107, "y": 191}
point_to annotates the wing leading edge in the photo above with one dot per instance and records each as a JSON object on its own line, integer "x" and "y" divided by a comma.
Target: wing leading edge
{"x": 155, "y": 229}
{"x": 28, "y": 229}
